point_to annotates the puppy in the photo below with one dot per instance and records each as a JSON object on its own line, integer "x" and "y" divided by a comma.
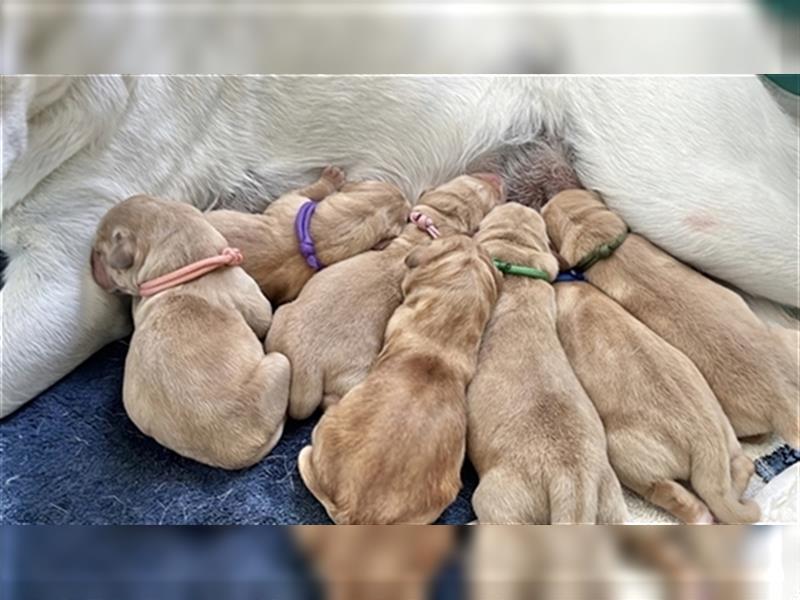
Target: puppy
{"x": 334, "y": 330}
{"x": 662, "y": 421}
{"x": 391, "y": 450}
{"x": 534, "y": 436}
{"x": 750, "y": 366}
{"x": 361, "y": 216}
{"x": 196, "y": 377}
{"x": 363, "y": 562}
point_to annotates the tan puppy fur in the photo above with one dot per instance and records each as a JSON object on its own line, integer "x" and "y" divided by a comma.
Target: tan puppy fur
{"x": 196, "y": 378}
{"x": 751, "y": 367}
{"x": 361, "y": 216}
{"x": 662, "y": 421}
{"x": 364, "y": 562}
{"x": 534, "y": 436}
{"x": 334, "y": 330}
{"x": 391, "y": 451}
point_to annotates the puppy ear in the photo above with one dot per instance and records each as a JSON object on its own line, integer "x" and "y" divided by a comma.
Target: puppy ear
{"x": 123, "y": 249}
{"x": 420, "y": 255}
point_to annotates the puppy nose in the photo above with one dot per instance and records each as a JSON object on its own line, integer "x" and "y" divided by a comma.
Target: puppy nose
{"x": 492, "y": 179}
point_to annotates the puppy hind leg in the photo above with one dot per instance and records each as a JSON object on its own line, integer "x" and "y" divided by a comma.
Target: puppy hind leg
{"x": 502, "y": 499}
{"x": 676, "y": 500}
{"x": 331, "y": 181}
{"x": 271, "y": 384}
{"x": 306, "y": 391}
{"x": 611, "y": 508}
{"x": 742, "y": 469}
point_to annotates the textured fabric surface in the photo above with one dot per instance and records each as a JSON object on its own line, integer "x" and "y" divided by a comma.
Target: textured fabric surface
{"x": 72, "y": 456}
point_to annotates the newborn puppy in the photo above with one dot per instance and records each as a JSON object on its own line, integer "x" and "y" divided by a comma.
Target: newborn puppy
{"x": 360, "y": 217}
{"x": 391, "y": 450}
{"x": 363, "y": 562}
{"x": 534, "y": 437}
{"x": 662, "y": 421}
{"x": 196, "y": 378}
{"x": 750, "y": 366}
{"x": 334, "y": 330}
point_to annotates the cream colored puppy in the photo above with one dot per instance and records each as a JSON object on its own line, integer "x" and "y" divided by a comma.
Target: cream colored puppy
{"x": 391, "y": 450}
{"x": 334, "y": 330}
{"x": 662, "y": 421}
{"x": 751, "y": 367}
{"x": 359, "y": 217}
{"x": 534, "y": 436}
{"x": 196, "y": 377}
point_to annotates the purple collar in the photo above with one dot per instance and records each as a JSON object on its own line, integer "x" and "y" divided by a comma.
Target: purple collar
{"x": 302, "y": 230}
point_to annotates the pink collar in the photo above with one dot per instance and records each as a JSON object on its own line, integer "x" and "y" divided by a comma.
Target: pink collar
{"x": 228, "y": 257}
{"x": 424, "y": 222}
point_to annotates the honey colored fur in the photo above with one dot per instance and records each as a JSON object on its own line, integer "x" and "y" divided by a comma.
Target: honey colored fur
{"x": 662, "y": 421}
{"x": 363, "y": 562}
{"x": 534, "y": 436}
{"x": 196, "y": 377}
{"x": 751, "y": 367}
{"x": 357, "y": 218}
{"x": 391, "y": 450}
{"x": 334, "y": 330}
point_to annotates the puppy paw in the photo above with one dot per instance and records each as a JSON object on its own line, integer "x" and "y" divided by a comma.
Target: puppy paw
{"x": 334, "y": 175}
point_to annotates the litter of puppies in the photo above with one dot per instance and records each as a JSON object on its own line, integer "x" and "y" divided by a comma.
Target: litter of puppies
{"x": 433, "y": 333}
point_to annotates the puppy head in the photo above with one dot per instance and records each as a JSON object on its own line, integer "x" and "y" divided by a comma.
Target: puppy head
{"x": 461, "y": 203}
{"x": 131, "y": 233}
{"x": 578, "y": 222}
{"x": 516, "y": 234}
{"x": 445, "y": 259}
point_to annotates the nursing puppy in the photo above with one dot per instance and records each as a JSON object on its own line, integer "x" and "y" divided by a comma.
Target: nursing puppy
{"x": 196, "y": 377}
{"x": 662, "y": 421}
{"x": 751, "y": 367}
{"x": 334, "y": 330}
{"x": 359, "y": 217}
{"x": 534, "y": 436}
{"x": 391, "y": 450}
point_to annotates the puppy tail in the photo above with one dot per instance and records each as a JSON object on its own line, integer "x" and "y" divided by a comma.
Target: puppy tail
{"x": 611, "y": 508}
{"x": 572, "y": 502}
{"x": 711, "y": 479}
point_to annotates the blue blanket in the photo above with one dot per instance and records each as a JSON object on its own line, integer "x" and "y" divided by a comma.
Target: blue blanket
{"x": 72, "y": 456}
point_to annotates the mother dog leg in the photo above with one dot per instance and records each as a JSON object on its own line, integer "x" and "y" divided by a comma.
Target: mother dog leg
{"x": 45, "y": 334}
{"x": 706, "y": 168}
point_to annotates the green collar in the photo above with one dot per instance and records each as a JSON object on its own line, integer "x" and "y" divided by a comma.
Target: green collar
{"x": 601, "y": 252}
{"x": 512, "y": 269}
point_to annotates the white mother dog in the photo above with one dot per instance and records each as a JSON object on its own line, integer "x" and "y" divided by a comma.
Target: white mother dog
{"x": 704, "y": 167}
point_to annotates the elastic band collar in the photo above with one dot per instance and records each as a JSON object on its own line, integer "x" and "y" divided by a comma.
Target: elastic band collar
{"x": 302, "y": 230}
{"x": 601, "y": 252}
{"x": 512, "y": 269}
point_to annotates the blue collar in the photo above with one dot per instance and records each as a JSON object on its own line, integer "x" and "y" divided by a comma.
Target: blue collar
{"x": 571, "y": 275}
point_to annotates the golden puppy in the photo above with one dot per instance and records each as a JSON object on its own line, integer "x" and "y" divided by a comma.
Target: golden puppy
{"x": 662, "y": 421}
{"x": 334, "y": 330}
{"x": 196, "y": 377}
{"x": 376, "y": 562}
{"x": 534, "y": 436}
{"x": 391, "y": 450}
{"x": 360, "y": 217}
{"x": 750, "y": 366}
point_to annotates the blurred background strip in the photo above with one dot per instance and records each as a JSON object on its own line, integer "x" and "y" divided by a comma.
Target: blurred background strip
{"x": 401, "y": 36}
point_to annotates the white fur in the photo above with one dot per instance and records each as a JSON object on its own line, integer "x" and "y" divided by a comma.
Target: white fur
{"x": 662, "y": 151}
